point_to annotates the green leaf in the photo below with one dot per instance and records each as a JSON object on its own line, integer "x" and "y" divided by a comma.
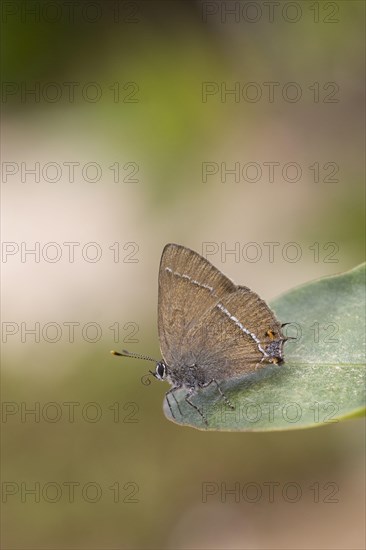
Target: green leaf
{"x": 323, "y": 378}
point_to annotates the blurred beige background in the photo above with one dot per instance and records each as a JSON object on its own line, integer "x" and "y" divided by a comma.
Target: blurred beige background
{"x": 149, "y": 62}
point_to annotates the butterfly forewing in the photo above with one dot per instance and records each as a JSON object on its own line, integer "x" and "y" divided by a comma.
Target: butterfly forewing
{"x": 189, "y": 287}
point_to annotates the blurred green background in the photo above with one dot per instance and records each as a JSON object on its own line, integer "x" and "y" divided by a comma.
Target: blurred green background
{"x": 148, "y": 61}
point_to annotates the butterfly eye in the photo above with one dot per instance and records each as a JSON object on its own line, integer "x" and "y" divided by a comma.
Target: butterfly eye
{"x": 160, "y": 370}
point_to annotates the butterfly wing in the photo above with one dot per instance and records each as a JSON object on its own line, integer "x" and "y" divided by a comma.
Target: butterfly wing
{"x": 189, "y": 287}
{"x": 237, "y": 335}
{"x": 208, "y": 321}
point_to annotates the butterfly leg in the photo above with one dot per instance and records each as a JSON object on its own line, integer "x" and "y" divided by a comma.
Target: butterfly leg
{"x": 191, "y": 390}
{"x": 220, "y": 391}
{"x": 171, "y": 391}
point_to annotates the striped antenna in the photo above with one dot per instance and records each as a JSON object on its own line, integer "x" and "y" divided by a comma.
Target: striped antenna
{"x": 125, "y": 353}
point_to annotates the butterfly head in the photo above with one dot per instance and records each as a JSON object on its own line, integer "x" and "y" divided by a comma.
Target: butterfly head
{"x": 161, "y": 370}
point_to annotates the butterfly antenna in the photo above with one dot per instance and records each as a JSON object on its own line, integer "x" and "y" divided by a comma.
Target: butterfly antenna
{"x": 125, "y": 353}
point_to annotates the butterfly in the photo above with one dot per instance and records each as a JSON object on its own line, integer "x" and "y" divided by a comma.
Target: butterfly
{"x": 210, "y": 330}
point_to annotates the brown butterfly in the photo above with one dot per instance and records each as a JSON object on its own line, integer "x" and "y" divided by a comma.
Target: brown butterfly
{"x": 210, "y": 329}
